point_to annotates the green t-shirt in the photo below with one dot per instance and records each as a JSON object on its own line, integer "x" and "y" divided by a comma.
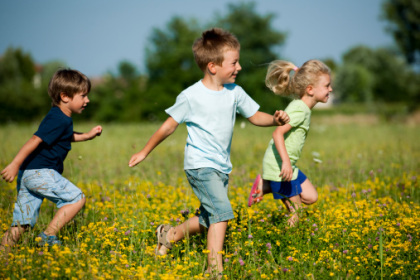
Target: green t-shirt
{"x": 300, "y": 119}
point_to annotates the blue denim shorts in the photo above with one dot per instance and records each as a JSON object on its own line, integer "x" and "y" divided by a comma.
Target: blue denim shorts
{"x": 288, "y": 189}
{"x": 211, "y": 188}
{"x": 36, "y": 184}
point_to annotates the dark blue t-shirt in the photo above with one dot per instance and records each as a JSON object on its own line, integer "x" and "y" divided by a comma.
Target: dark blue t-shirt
{"x": 56, "y": 132}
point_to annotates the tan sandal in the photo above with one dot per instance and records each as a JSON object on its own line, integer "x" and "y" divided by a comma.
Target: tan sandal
{"x": 161, "y": 233}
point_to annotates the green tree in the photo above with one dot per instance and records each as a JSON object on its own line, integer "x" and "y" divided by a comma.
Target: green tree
{"x": 354, "y": 83}
{"x": 170, "y": 66}
{"x": 127, "y": 71}
{"x": 404, "y": 19}
{"x": 118, "y": 97}
{"x": 19, "y": 98}
{"x": 376, "y": 75}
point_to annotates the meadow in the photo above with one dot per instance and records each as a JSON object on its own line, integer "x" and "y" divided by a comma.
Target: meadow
{"x": 365, "y": 225}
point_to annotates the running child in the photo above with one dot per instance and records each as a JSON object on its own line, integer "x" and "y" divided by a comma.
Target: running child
{"x": 39, "y": 163}
{"x": 209, "y": 109}
{"x": 310, "y": 84}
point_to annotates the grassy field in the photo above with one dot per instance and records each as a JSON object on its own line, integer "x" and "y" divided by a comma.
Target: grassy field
{"x": 365, "y": 224}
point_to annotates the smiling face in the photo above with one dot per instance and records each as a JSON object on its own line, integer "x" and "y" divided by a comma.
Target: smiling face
{"x": 79, "y": 102}
{"x": 321, "y": 90}
{"x": 74, "y": 105}
{"x": 227, "y": 72}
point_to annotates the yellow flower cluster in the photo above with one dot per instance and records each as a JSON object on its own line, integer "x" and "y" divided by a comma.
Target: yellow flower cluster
{"x": 361, "y": 230}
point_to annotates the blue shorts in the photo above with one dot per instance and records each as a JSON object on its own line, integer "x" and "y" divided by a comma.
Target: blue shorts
{"x": 36, "y": 184}
{"x": 288, "y": 189}
{"x": 211, "y": 188}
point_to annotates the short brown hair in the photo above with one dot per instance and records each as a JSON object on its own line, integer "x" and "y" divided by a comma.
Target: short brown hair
{"x": 68, "y": 81}
{"x": 212, "y": 44}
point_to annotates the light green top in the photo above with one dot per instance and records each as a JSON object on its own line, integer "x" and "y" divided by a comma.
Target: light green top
{"x": 300, "y": 119}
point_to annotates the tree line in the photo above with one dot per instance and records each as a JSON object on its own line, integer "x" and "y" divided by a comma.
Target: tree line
{"x": 364, "y": 76}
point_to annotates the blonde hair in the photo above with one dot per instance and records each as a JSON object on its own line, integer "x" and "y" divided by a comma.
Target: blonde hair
{"x": 69, "y": 82}
{"x": 212, "y": 44}
{"x": 279, "y": 80}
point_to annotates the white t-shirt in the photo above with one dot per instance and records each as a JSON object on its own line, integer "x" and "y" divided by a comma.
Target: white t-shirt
{"x": 210, "y": 118}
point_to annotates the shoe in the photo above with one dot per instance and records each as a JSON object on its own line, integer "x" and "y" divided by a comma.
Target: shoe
{"x": 161, "y": 232}
{"x": 48, "y": 239}
{"x": 254, "y": 191}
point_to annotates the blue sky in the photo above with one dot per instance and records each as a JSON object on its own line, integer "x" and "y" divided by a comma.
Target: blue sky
{"x": 93, "y": 36}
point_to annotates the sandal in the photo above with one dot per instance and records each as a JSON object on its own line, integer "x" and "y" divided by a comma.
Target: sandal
{"x": 48, "y": 239}
{"x": 161, "y": 233}
{"x": 254, "y": 191}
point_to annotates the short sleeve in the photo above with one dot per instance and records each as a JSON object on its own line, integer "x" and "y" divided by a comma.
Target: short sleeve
{"x": 179, "y": 111}
{"x": 247, "y": 107}
{"x": 296, "y": 115}
{"x": 51, "y": 129}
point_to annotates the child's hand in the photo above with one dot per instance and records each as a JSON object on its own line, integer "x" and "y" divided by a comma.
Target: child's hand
{"x": 9, "y": 173}
{"x": 281, "y": 117}
{"x": 286, "y": 172}
{"x": 136, "y": 159}
{"x": 96, "y": 131}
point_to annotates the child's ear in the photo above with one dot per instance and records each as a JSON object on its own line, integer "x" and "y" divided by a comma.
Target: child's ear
{"x": 64, "y": 97}
{"x": 309, "y": 90}
{"x": 211, "y": 66}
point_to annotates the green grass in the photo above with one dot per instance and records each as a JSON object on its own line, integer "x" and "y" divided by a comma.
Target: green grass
{"x": 365, "y": 223}
{"x": 349, "y": 152}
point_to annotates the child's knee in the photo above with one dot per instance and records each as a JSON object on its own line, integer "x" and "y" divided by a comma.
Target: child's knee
{"x": 309, "y": 194}
{"x": 79, "y": 204}
{"x": 313, "y": 198}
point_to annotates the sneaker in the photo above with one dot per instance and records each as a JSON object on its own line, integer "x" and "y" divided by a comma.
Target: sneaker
{"x": 48, "y": 239}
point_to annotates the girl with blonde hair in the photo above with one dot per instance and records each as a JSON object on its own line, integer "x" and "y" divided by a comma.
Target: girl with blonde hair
{"x": 309, "y": 84}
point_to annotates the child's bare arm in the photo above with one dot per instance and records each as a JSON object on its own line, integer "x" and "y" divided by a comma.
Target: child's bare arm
{"x": 9, "y": 173}
{"x": 264, "y": 119}
{"x": 96, "y": 131}
{"x": 167, "y": 128}
{"x": 286, "y": 172}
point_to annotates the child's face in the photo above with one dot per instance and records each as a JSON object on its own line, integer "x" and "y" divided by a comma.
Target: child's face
{"x": 78, "y": 103}
{"x": 322, "y": 88}
{"x": 226, "y": 73}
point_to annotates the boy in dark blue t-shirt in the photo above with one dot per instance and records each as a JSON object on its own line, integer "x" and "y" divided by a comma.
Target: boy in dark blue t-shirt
{"x": 39, "y": 163}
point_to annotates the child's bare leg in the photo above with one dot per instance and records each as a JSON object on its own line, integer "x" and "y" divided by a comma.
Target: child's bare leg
{"x": 215, "y": 240}
{"x": 64, "y": 215}
{"x": 12, "y": 236}
{"x": 266, "y": 187}
{"x": 309, "y": 194}
{"x": 294, "y": 204}
{"x": 262, "y": 189}
{"x": 187, "y": 228}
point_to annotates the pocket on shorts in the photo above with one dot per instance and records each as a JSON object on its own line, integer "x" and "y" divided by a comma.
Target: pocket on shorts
{"x": 51, "y": 185}
{"x": 35, "y": 181}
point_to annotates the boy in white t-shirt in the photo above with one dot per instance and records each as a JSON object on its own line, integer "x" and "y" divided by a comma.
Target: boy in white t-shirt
{"x": 209, "y": 109}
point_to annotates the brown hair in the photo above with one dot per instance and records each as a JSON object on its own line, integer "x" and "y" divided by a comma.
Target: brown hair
{"x": 69, "y": 82}
{"x": 212, "y": 44}
{"x": 279, "y": 80}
